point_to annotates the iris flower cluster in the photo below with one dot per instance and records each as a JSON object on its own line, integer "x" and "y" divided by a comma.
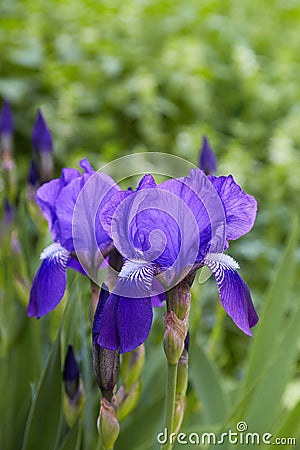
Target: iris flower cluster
{"x": 163, "y": 232}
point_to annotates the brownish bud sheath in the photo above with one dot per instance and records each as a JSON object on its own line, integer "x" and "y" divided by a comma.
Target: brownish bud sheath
{"x": 182, "y": 307}
{"x": 106, "y": 367}
{"x": 174, "y": 337}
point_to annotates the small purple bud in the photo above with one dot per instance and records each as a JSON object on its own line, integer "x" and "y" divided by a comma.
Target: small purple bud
{"x": 33, "y": 177}
{"x": 207, "y": 158}
{"x": 8, "y": 212}
{"x": 71, "y": 373}
{"x": 42, "y": 149}
{"x": 41, "y": 136}
{"x": 6, "y": 119}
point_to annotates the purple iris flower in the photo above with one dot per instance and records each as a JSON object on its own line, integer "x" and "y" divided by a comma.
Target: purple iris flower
{"x": 58, "y": 200}
{"x": 165, "y": 232}
{"x": 207, "y": 158}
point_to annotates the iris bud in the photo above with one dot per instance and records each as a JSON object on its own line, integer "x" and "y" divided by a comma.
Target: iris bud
{"x": 175, "y": 332}
{"x": 179, "y": 413}
{"x": 74, "y": 394}
{"x": 106, "y": 367}
{"x": 182, "y": 306}
{"x": 42, "y": 148}
{"x": 207, "y": 158}
{"x": 132, "y": 365}
{"x": 182, "y": 374}
{"x": 106, "y": 362}
{"x": 127, "y": 401}
{"x": 108, "y": 425}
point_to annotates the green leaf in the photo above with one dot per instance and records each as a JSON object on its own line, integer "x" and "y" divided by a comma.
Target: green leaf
{"x": 266, "y": 334}
{"x": 73, "y": 439}
{"x": 290, "y": 426}
{"x": 207, "y": 382}
{"x": 264, "y": 406}
{"x": 274, "y": 351}
{"x": 44, "y": 416}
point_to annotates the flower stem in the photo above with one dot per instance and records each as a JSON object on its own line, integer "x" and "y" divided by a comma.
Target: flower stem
{"x": 170, "y": 402}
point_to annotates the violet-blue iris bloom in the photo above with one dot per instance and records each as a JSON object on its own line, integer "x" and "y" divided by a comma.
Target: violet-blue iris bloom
{"x": 57, "y": 200}
{"x": 207, "y": 158}
{"x": 172, "y": 229}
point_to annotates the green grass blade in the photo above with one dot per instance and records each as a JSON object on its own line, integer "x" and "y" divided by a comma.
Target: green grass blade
{"x": 271, "y": 319}
{"x": 44, "y": 416}
{"x": 207, "y": 382}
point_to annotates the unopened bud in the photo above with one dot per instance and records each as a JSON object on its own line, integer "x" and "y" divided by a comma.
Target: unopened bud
{"x": 74, "y": 407}
{"x": 174, "y": 337}
{"x": 106, "y": 367}
{"x": 106, "y": 362}
{"x": 207, "y": 158}
{"x": 74, "y": 392}
{"x": 127, "y": 401}
{"x": 108, "y": 425}
{"x": 132, "y": 365}
{"x": 71, "y": 373}
{"x": 42, "y": 148}
{"x": 182, "y": 306}
{"x": 179, "y": 413}
{"x": 182, "y": 374}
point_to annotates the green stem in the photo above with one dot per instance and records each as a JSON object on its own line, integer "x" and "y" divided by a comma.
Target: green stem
{"x": 170, "y": 403}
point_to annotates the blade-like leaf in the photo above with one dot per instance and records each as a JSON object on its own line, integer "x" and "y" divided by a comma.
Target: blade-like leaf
{"x": 207, "y": 382}
{"x": 73, "y": 439}
{"x": 266, "y": 334}
{"x": 43, "y": 419}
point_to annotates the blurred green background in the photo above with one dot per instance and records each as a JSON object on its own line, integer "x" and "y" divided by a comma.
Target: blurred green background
{"x": 114, "y": 78}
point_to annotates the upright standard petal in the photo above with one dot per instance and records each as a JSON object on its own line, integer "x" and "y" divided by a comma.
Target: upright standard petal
{"x": 78, "y": 207}
{"x": 203, "y": 204}
{"x": 234, "y": 292}
{"x": 49, "y": 283}
{"x": 46, "y": 197}
{"x": 240, "y": 208}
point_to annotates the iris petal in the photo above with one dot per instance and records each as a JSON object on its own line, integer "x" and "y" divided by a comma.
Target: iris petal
{"x": 124, "y": 322}
{"x": 104, "y": 294}
{"x": 240, "y": 208}
{"x": 49, "y": 283}
{"x": 134, "y": 322}
{"x": 124, "y": 319}
{"x": 234, "y": 292}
